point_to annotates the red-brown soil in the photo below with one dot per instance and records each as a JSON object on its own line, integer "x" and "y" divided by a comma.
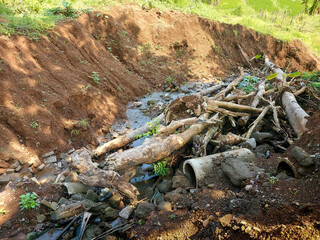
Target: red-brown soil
{"x": 47, "y": 90}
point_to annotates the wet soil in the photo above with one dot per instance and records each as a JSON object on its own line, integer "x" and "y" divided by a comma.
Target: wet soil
{"x": 67, "y": 89}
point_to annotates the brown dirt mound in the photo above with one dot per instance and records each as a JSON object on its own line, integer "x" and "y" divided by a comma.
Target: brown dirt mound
{"x": 49, "y": 98}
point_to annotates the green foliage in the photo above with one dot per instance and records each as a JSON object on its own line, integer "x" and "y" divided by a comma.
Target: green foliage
{"x": 159, "y": 168}
{"x": 272, "y": 76}
{"x": 145, "y": 48}
{"x": 2, "y": 212}
{"x": 28, "y": 201}
{"x": 313, "y": 77}
{"x": 272, "y": 179}
{"x": 95, "y": 77}
{"x": 67, "y": 10}
{"x": 34, "y": 124}
{"x": 248, "y": 84}
{"x": 153, "y": 129}
{"x": 169, "y": 79}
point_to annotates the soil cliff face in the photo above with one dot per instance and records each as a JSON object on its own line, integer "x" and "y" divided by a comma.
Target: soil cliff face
{"x": 66, "y": 89}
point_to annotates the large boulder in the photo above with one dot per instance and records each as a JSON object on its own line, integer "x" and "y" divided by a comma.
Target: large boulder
{"x": 240, "y": 169}
{"x": 144, "y": 209}
{"x": 302, "y": 157}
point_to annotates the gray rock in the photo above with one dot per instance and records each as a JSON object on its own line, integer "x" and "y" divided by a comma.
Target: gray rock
{"x": 77, "y": 197}
{"x": 250, "y": 144}
{"x": 165, "y": 206}
{"x": 165, "y": 186}
{"x": 144, "y": 209}
{"x": 15, "y": 164}
{"x": 173, "y": 196}
{"x": 99, "y": 209}
{"x": 41, "y": 167}
{"x": 126, "y": 212}
{"x": 282, "y": 176}
{"x": 54, "y": 205}
{"x": 91, "y": 232}
{"x": 302, "y": 171}
{"x": 110, "y": 214}
{"x": 239, "y": 170}
{"x": 7, "y": 224}
{"x": 4, "y": 179}
{"x": 18, "y": 168}
{"x": 10, "y": 170}
{"x": 63, "y": 201}
{"x": 74, "y": 187}
{"x": 31, "y": 236}
{"x": 63, "y": 156}
{"x": 41, "y": 218}
{"x": 261, "y": 150}
{"x": 238, "y": 203}
{"x": 91, "y": 195}
{"x": 302, "y": 157}
{"x": 48, "y": 154}
{"x": 159, "y": 198}
{"x": 261, "y": 137}
{"x": 180, "y": 181}
{"x": 51, "y": 159}
{"x": 115, "y": 200}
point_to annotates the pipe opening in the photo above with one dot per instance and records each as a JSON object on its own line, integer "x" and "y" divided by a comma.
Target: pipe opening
{"x": 190, "y": 174}
{"x": 285, "y": 167}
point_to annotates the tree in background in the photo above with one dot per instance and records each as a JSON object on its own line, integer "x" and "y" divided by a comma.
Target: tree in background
{"x": 314, "y": 9}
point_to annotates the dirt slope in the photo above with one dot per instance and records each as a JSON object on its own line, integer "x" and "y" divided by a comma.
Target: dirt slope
{"x": 49, "y": 98}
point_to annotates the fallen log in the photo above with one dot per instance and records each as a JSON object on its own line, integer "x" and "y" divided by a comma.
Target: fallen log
{"x": 210, "y": 103}
{"x": 126, "y": 139}
{"x": 296, "y": 115}
{"x": 231, "y": 86}
{"x": 211, "y": 90}
{"x": 153, "y": 149}
{"x": 93, "y": 176}
{"x": 255, "y": 123}
{"x": 243, "y": 120}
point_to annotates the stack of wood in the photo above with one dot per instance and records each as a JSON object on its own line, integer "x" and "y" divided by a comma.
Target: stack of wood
{"x": 203, "y": 114}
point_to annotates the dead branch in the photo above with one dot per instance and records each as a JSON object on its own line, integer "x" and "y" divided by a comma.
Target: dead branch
{"x": 125, "y": 139}
{"x": 244, "y": 56}
{"x": 93, "y": 176}
{"x": 300, "y": 91}
{"x": 153, "y": 149}
{"x": 231, "y": 86}
{"x": 254, "y": 124}
{"x": 211, "y": 90}
{"x": 238, "y": 97}
{"x": 225, "y": 112}
{"x": 210, "y": 103}
{"x": 296, "y": 115}
{"x": 243, "y": 120}
{"x": 230, "y": 139}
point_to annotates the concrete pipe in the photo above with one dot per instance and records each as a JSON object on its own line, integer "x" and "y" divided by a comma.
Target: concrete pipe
{"x": 196, "y": 169}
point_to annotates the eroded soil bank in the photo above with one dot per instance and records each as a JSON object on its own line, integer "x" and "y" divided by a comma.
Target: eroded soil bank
{"x": 66, "y": 90}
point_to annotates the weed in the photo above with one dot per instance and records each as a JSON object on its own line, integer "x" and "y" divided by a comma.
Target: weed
{"x": 169, "y": 79}
{"x": 74, "y": 132}
{"x": 124, "y": 33}
{"x": 95, "y": 77}
{"x": 139, "y": 222}
{"x": 34, "y": 124}
{"x": 145, "y": 48}
{"x": 272, "y": 179}
{"x": 67, "y": 10}
{"x": 153, "y": 129}
{"x": 172, "y": 216}
{"x": 235, "y": 32}
{"x": 159, "y": 168}
{"x": 83, "y": 122}
{"x": 28, "y": 201}
{"x": 2, "y": 212}
{"x": 119, "y": 88}
{"x": 248, "y": 84}
{"x": 215, "y": 48}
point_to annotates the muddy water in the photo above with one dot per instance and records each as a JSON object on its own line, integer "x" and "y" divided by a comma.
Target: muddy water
{"x": 143, "y": 110}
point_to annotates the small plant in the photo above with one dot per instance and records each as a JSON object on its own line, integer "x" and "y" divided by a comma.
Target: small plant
{"x": 83, "y": 122}
{"x": 34, "y": 124}
{"x": 28, "y": 201}
{"x": 154, "y": 129}
{"x": 159, "y": 168}
{"x": 119, "y": 88}
{"x": 2, "y": 212}
{"x": 124, "y": 33}
{"x": 139, "y": 222}
{"x": 172, "y": 216}
{"x": 169, "y": 79}
{"x": 95, "y": 77}
{"x": 248, "y": 84}
{"x": 74, "y": 132}
{"x": 67, "y": 10}
{"x": 235, "y": 32}
{"x": 273, "y": 179}
{"x": 145, "y": 48}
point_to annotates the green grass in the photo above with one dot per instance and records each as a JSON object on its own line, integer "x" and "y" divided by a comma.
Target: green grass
{"x": 283, "y": 19}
